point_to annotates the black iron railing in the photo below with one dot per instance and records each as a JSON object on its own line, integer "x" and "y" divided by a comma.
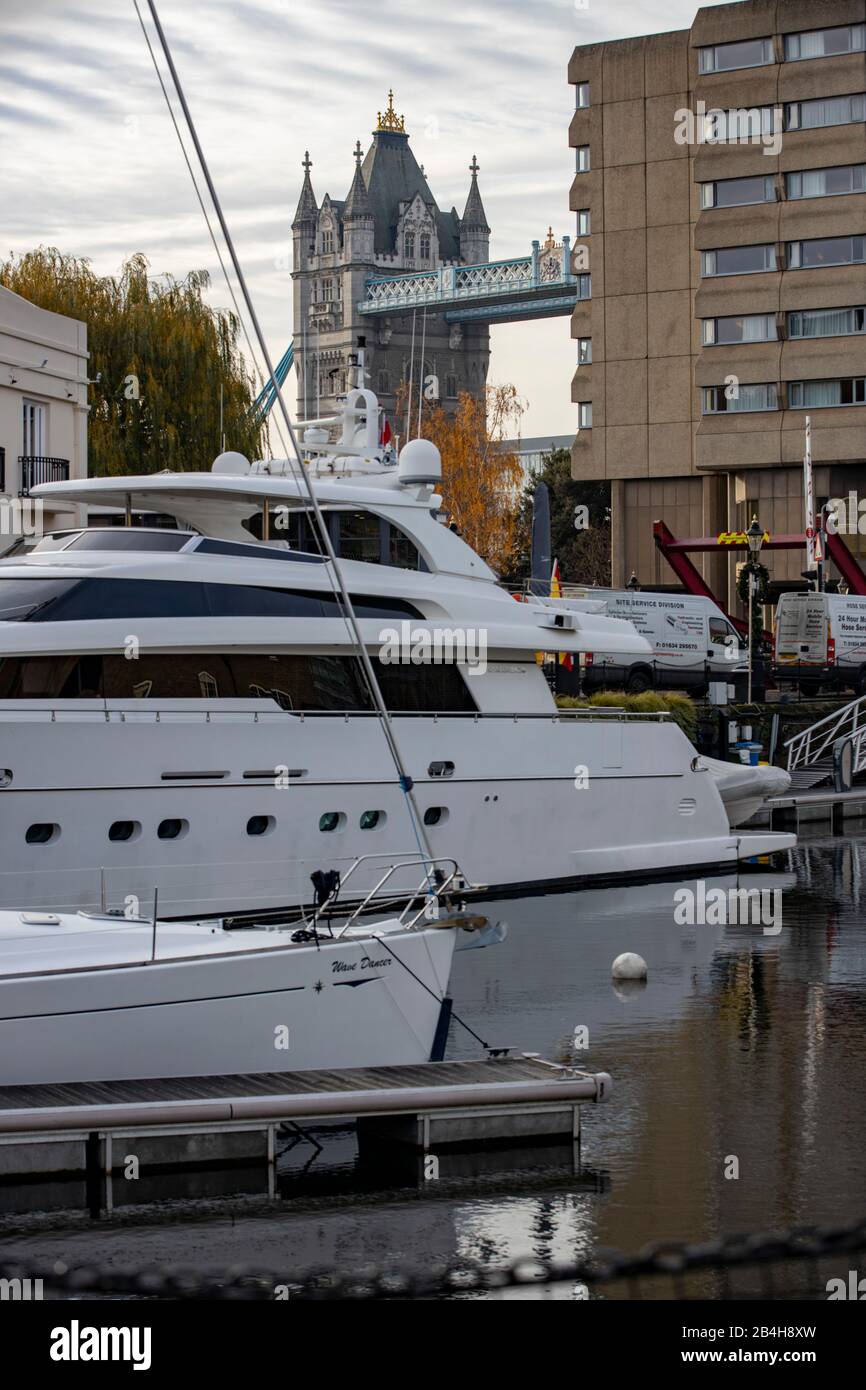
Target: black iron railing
{"x": 36, "y": 469}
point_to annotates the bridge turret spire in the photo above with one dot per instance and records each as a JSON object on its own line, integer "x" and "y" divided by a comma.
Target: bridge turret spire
{"x": 308, "y": 209}
{"x": 357, "y": 203}
{"x": 389, "y": 121}
{"x": 474, "y": 231}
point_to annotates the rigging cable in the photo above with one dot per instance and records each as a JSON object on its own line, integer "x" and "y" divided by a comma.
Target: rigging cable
{"x": 405, "y": 780}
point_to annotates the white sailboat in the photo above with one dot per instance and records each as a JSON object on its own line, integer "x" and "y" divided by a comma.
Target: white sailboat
{"x": 103, "y": 997}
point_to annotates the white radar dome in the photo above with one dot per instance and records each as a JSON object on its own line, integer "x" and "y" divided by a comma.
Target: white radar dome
{"x": 231, "y": 463}
{"x": 420, "y": 462}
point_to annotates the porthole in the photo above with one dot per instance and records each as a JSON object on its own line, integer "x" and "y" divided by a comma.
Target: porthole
{"x": 123, "y": 830}
{"x": 260, "y": 825}
{"x": 371, "y": 819}
{"x": 436, "y": 815}
{"x": 332, "y": 820}
{"x": 43, "y": 833}
{"x": 5, "y": 776}
{"x": 172, "y": 829}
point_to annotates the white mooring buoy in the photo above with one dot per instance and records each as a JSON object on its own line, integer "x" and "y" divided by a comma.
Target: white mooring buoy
{"x": 629, "y": 966}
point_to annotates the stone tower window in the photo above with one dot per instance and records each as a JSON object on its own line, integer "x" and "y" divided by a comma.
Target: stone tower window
{"x": 327, "y": 243}
{"x": 451, "y": 386}
{"x": 383, "y": 384}
{"x": 409, "y": 246}
{"x": 425, "y": 246}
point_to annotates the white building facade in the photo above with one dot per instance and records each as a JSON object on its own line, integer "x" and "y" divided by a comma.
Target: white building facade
{"x": 43, "y": 411}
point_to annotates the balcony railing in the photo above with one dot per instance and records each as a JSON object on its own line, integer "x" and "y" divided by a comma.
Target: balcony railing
{"x": 36, "y": 469}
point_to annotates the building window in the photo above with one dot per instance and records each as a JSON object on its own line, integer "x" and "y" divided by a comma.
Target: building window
{"x": 824, "y": 43}
{"x": 451, "y": 386}
{"x": 738, "y": 260}
{"x": 35, "y": 435}
{"x": 409, "y": 246}
{"x": 425, "y": 246}
{"x": 739, "y": 125}
{"x": 584, "y": 351}
{"x": 741, "y": 398}
{"x": 581, "y": 95}
{"x": 327, "y": 290}
{"x": 584, "y": 415}
{"x": 584, "y": 223}
{"x": 584, "y": 287}
{"x": 747, "y": 328}
{"x": 826, "y": 183}
{"x": 822, "y": 111}
{"x": 826, "y": 323}
{"x": 382, "y": 383}
{"x": 327, "y": 243}
{"x": 729, "y": 193}
{"x": 724, "y": 57}
{"x": 828, "y": 250}
{"x": 581, "y": 159}
{"x": 816, "y": 395}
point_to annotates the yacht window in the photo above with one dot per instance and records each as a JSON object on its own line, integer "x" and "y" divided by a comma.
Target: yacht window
{"x": 208, "y": 546}
{"x": 260, "y": 825}
{"x": 292, "y": 681}
{"x": 370, "y": 819}
{"x": 425, "y": 687}
{"x": 129, "y": 538}
{"x": 331, "y": 820}
{"x": 61, "y": 677}
{"x": 77, "y": 600}
{"x": 434, "y": 815}
{"x": 355, "y": 535}
{"x": 360, "y": 536}
{"x": 172, "y": 829}
{"x": 123, "y": 830}
{"x": 41, "y": 834}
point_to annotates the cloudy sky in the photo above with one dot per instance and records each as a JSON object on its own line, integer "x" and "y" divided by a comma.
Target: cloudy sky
{"x": 89, "y": 161}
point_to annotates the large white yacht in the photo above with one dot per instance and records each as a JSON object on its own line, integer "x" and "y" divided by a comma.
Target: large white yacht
{"x": 182, "y": 708}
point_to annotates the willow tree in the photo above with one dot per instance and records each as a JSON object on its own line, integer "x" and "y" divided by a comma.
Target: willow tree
{"x": 481, "y": 478}
{"x": 162, "y": 362}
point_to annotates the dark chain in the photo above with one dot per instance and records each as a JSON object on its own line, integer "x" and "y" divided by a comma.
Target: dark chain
{"x": 466, "y": 1277}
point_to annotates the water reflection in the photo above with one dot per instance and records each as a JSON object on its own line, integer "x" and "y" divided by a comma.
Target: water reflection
{"x": 744, "y": 1054}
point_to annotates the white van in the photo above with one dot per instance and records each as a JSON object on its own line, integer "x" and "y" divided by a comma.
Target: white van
{"x": 821, "y": 640}
{"x": 692, "y": 642}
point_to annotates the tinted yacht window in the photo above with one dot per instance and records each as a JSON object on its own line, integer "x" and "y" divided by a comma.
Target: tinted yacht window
{"x": 25, "y": 599}
{"x": 293, "y": 681}
{"x": 76, "y": 600}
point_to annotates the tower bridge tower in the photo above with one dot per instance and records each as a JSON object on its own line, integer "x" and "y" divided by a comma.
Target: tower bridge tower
{"x": 389, "y": 223}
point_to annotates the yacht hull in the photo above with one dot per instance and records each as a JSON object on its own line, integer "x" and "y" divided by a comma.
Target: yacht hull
{"x": 524, "y": 801}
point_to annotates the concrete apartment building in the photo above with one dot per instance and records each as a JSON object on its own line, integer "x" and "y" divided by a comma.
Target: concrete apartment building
{"x": 721, "y": 192}
{"x": 43, "y": 408}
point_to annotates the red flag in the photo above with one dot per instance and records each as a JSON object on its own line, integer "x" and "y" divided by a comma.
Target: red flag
{"x": 385, "y": 436}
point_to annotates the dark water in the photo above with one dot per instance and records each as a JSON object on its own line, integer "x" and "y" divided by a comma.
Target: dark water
{"x": 742, "y": 1045}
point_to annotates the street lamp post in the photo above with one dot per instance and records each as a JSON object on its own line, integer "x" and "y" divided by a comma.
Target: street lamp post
{"x": 755, "y": 538}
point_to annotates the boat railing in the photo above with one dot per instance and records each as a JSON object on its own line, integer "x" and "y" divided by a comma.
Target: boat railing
{"x": 435, "y": 883}
{"x": 84, "y": 711}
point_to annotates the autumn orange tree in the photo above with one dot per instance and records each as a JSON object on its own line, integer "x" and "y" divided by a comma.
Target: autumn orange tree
{"x": 481, "y": 479}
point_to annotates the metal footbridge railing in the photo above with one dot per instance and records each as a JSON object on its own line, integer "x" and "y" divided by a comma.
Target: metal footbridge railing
{"x": 817, "y": 743}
